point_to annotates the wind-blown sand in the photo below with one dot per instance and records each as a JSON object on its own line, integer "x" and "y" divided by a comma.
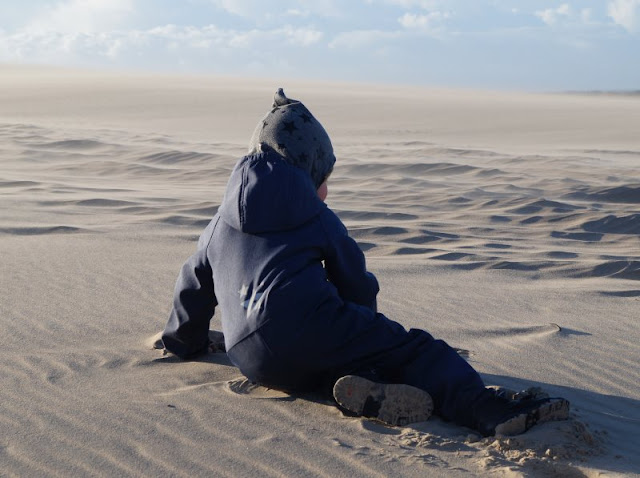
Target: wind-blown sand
{"x": 507, "y": 224}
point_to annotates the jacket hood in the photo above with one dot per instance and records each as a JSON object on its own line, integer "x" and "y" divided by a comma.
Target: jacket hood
{"x": 266, "y": 194}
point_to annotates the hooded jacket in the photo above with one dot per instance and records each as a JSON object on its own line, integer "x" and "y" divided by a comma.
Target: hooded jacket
{"x": 273, "y": 254}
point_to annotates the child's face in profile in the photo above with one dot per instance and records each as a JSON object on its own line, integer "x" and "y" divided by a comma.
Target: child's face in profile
{"x": 323, "y": 190}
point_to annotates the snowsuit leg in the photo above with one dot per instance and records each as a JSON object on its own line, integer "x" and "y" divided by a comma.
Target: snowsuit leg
{"x": 355, "y": 340}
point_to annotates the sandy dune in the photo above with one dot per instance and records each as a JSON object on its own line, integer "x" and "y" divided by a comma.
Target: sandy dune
{"x": 507, "y": 224}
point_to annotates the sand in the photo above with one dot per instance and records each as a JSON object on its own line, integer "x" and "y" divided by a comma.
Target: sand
{"x": 507, "y": 224}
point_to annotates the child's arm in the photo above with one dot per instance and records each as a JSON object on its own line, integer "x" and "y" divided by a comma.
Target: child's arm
{"x": 194, "y": 302}
{"x": 346, "y": 266}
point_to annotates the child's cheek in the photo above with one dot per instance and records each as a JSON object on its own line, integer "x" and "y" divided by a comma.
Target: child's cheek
{"x": 323, "y": 191}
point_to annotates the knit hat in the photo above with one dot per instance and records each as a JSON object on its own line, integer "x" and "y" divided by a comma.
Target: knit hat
{"x": 291, "y": 130}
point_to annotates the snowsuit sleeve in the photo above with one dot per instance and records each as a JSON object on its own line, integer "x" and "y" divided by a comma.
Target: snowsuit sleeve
{"x": 194, "y": 302}
{"x": 346, "y": 267}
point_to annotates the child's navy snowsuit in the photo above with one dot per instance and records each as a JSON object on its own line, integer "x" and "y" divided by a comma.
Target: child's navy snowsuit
{"x": 298, "y": 305}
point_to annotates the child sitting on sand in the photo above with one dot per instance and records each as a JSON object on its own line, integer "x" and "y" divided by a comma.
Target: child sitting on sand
{"x": 299, "y": 306}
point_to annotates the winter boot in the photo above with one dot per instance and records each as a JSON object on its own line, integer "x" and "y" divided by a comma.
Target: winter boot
{"x": 496, "y": 415}
{"x": 393, "y": 404}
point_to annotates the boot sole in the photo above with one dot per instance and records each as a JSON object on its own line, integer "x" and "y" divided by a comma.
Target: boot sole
{"x": 392, "y": 404}
{"x": 554, "y": 409}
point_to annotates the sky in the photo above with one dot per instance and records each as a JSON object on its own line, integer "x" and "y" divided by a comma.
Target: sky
{"x": 533, "y": 45}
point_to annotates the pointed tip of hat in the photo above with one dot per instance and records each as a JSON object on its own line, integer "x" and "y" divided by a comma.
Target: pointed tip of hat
{"x": 280, "y": 99}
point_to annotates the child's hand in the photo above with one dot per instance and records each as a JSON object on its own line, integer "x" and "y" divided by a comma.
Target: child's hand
{"x": 216, "y": 343}
{"x": 158, "y": 344}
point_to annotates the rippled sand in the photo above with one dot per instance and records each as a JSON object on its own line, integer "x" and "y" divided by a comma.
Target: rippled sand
{"x": 507, "y": 224}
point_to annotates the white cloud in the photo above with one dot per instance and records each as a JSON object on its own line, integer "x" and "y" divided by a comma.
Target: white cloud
{"x": 116, "y": 46}
{"x": 551, "y": 16}
{"x": 243, "y": 8}
{"x": 362, "y": 38}
{"x": 288, "y": 34}
{"x": 625, "y": 13}
{"x": 295, "y": 12}
{"x": 586, "y": 15}
{"x": 300, "y": 36}
{"x": 54, "y": 47}
{"x": 261, "y": 10}
{"x": 81, "y": 16}
{"x": 426, "y": 23}
{"x": 409, "y": 4}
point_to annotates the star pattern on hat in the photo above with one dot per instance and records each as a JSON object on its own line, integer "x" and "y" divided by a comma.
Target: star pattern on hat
{"x": 289, "y": 127}
{"x": 305, "y": 118}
